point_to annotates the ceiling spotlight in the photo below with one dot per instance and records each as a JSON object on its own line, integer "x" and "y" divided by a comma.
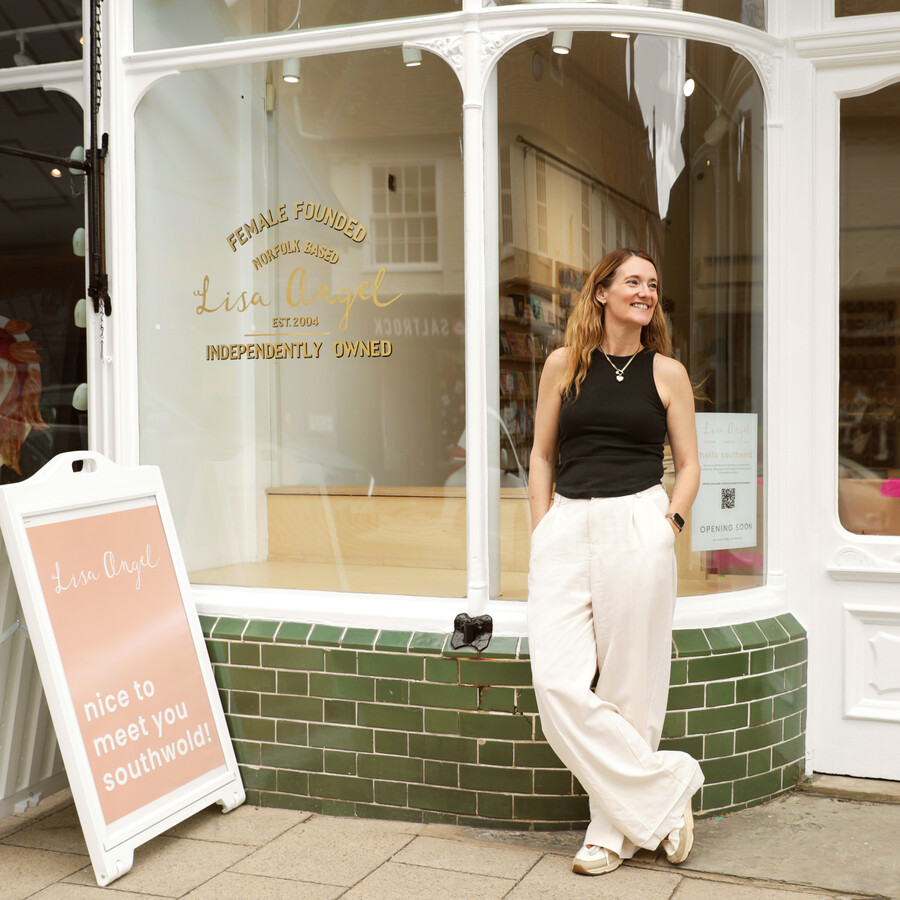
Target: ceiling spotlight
{"x": 22, "y": 58}
{"x": 689, "y": 86}
{"x": 412, "y": 56}
{"x": 56, "y": 173}
{"x": 290, "y": 71}
{"x": 620, "y": 34}
{"x": 562, "y": 42}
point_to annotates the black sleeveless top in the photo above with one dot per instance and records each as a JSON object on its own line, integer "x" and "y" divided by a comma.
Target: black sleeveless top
{"x": 611, "y": 437}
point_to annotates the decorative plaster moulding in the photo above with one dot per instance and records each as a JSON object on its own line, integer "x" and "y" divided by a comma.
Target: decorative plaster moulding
{"x": 856, "y": 564}
{"x": 851, "y": 48}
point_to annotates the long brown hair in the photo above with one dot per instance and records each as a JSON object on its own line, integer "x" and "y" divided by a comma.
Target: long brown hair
{"x": 585, "y": 329}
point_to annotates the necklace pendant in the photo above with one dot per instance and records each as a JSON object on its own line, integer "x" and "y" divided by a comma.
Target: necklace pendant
{"x": 620, "y": 376}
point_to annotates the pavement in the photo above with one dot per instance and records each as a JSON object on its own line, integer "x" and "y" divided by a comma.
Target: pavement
{"x": 834, "y": 839}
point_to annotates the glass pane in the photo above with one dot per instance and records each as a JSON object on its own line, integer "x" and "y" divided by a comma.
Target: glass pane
{"x": 34, "y": 33}
{"x": 869, "y": 414}
{"x": 42, "y": 350}
{"x": 301, "y": 387}
{"x": 604, "y": 149}
{"x": 747, "y": 12}
{"x": 208, "y": 21}
{"x": 864, "y": 7}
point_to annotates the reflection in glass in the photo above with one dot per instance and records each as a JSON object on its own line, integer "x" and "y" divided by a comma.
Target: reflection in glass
{"x": 42, "y": 349}
{"x": 37, "y": 33}
{"x": 605, "y": 148}
{"x": 864, "y": 7}
{"x": 869, "y": 405}
{"x": 207, "y": 21}
{"x": 301, "y": 321}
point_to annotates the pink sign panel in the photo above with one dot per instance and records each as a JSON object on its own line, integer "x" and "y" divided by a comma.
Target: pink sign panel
{"x": 130, "y": 663}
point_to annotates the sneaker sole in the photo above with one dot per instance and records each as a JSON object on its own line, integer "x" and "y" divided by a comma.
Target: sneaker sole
{"x": 585, "y": 868}
{"x": 685, "y": 839}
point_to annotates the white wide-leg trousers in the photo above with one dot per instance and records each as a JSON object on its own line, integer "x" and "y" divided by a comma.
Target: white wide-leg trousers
{"x": 601, "y": 597}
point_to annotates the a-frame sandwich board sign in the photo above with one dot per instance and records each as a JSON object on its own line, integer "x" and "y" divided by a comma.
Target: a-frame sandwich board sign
{"x": 121, "y": 654}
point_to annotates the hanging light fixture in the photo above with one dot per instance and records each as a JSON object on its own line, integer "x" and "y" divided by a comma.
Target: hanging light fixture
{"x": 412, "y": 56}
{"x": 562, "y": 42}
{"x": 689, "y": 86}
{"x": 22, "y": 58}
{"x": 290, "y": 71}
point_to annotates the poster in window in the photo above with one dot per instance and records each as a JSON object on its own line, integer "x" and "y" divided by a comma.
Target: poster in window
{"x": 724, "y": 514}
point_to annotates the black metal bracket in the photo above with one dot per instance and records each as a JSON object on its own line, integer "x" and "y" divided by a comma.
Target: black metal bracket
{"x": 471, "y": 631}
{"x": 93, "y": 166}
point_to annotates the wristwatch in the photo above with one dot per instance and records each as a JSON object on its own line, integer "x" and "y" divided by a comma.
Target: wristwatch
{"x": 679, "y": 522}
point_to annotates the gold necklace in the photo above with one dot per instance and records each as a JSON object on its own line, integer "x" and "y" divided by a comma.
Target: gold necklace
{"x": 620, "y": 373}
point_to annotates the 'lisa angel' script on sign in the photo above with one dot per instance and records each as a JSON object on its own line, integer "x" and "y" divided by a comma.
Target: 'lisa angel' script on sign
{"x": 131, "y": 568}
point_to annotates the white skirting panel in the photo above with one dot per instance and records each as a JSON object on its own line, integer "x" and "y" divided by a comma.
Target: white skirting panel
{"x": 30, "y": 761}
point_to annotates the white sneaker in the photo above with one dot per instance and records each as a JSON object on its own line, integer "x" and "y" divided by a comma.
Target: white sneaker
{"x": 591, "y": 860}
{"x": 681, "y": 838}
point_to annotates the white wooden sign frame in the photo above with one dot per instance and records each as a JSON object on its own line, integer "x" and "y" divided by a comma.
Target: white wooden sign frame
{"x": 85, "y": 487}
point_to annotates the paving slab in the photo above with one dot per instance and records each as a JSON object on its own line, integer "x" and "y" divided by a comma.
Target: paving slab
{"x": 553, "y": 878}
{"x": 804, "y": 840}
{"x": 24, "y": 871}
{"x": 701, "y": 889}
{"x": 170, "y": 867}
{"x": 337, "y": 851}
{"x": 393, "y": 880}
{"x": 502, "y": 862}
{"x": 83, "y": 892}
{"x": 248, "y": 825}
{"x": 231, "y": 885}
{"x": 60, "y": 831}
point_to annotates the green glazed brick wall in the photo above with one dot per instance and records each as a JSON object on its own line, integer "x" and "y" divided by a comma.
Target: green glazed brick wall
{"x": 397, "y": 725}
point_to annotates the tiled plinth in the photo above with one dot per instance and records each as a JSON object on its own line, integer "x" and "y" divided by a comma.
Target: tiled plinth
{"x": 396, "y": 725}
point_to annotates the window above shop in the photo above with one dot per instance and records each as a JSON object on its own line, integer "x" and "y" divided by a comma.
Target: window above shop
{"x": 864, "y": 7}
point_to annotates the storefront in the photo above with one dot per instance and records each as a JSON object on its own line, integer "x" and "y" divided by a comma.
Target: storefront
{"x": 343, "y": 237}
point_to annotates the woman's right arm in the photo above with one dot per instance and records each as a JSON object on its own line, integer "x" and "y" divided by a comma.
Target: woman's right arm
{"x": 546, "y": 435}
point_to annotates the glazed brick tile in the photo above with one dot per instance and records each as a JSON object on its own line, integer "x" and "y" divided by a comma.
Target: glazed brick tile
{"x": 248, "y": 728}
{"x": 339, "y": 712}
{"x": 789, "y": 704}
{"x": 792, "y": 726}
{"x": 247, "y": 752}
{"x": 794, "y": 677}
{"x": 758, "y": 686}
{"x": 301, "y": 759}
{"x": 720, "y": 744}
{"x": 495, "y": 806}
{"x": 326, "y": 635}
{"x": 441, "y": 721}
{"x": 359, "y": 638}
{"x": 341, "y": 662}
{"x": 489, "y": 672}
{"x": 229, "y": 629}
{"x": 678, "y": 672}
{"x": 789, "y": 752}
{"x": 497, "y": 699}
{"x": 430, "y": 798}
{"x": 550, "y": 809}
{"x": 794, "y": 629}
{"x": 526, "y": 702}
{"x": 338, "y": 808}
{"x": 396, "y": 641}
{"x": 675, "y": 724}
{"x": 427, "y": 746}
{"x": 760, "y": 736}
{"x": 293, "y": 633}
{"x": 442, "y": 671}
{"x": 289, "y": 801}
{"x": 340, "y": 787}
{"x": 290, "y": 782}
{"x": 257, "y": 778}
{"x": 391, "y": 691}
{"x": 443, "y": 774}
{"x": 692, "y": 745}
{"x": 207, "y": 623}
{"x": 390, "y": 768}
{"x": 258, "y": 630}
{"x": 524, "y": 649}
{"x": 341, "y": 737}
{"x": 762, "y": 660}
{"x": 759, "y": 761}
{"x": 290, "y": 732}
{"x": 790, "y": 654}
{"x": 291, "y": 681}
{"x": 722, "y": 640}
{"x": 427, "y": 642}
{"x": 686, "y": 697}
{"x": 238, "y": 679}
{"x": 218, "y": 651}
{"x": 293, "y": 656}
{"x": 447, "y": 696}
{"x": 721, "y": 718}
{"x": 392, "y": 665}
{"x": 719, "y": 693}
{"x": 245, "y": 655}
{"x": 718, "y": 668}
{"x": 761, "y": 711}
{"x": 242, "y": 703}
{"x": 773, "y": 630}
{"x": 758, "y": 786}
{"x": 486, "y": 725}
{"x": 392, "y": 793}
{"x": 458, "y": 652}
{"x": 495, "y": 753}
{"x": 750, "y": 635}
{"x": 499, "y": 779}
{"x": 501, "y": 647}
{"x": 791, "y": 776}
{"x": 716, "y": 796}
{"x": 552, "y": 781}
{"x": 691, "y": 642}
{"x": 278, "y": 706}
{"x": 341, "y": 687}
{"x": 729, "y": 768}
{"x": 399, "y": 718}
{"x": 392, "y": 742}
{"x": 340, "y": 762}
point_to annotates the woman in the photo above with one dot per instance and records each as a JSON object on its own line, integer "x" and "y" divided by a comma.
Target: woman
{"x": 602, "y": 579}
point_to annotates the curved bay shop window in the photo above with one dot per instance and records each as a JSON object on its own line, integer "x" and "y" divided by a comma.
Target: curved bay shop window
{"x": 869, "y": 414}
{"x": 301, "y": 334}
{"x": 656, "y": 143}
{"x": 43, "y": 395}
{"x": 206, "y": 21}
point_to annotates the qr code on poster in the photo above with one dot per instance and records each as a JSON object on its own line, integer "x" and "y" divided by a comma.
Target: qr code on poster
{"x": 728, "y": 498}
